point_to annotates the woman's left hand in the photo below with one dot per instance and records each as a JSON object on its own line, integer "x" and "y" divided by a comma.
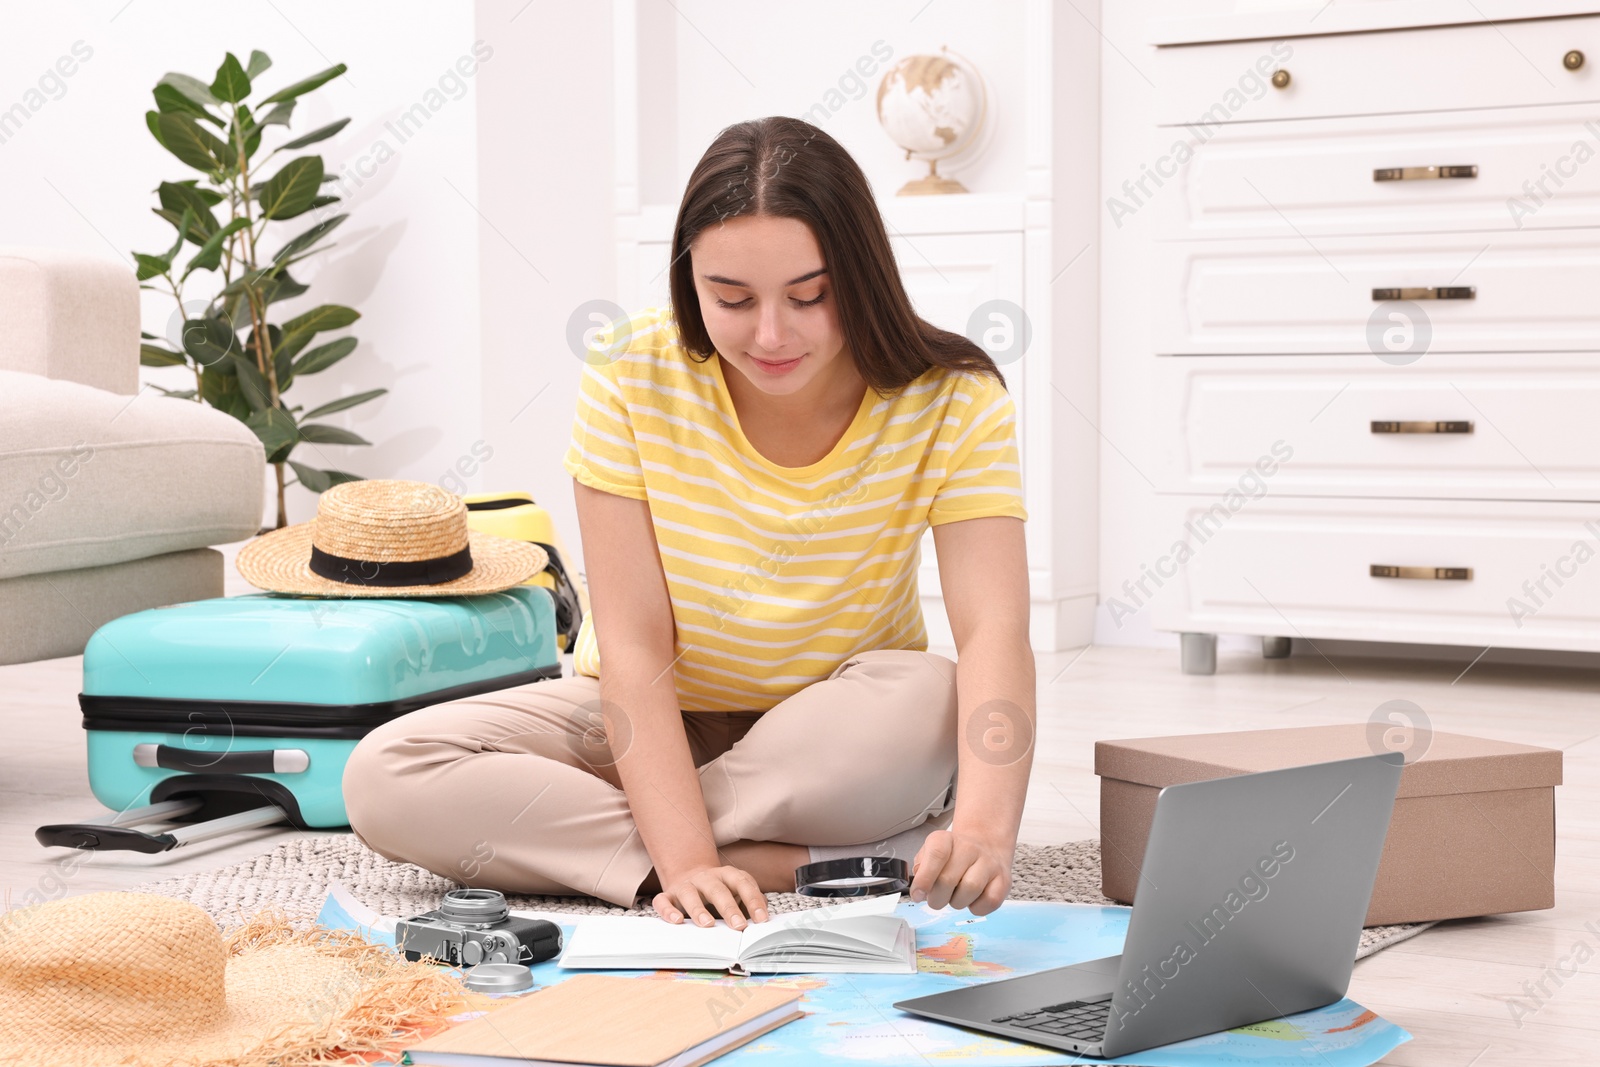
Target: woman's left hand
{"x": 962, "y": 869}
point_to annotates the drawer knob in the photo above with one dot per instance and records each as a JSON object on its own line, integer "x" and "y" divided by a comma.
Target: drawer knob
{"x": 1434, "y": 292}
{"x": 1431, "y": 574}
{"x": 1421, "y": 427}
{"x": 1410, "y": 174}
{"x": 1572, "y": 60}
{"x": 1280, "y": 79}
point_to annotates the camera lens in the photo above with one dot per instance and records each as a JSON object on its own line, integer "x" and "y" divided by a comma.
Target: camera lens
{"x": 475, "y": 906}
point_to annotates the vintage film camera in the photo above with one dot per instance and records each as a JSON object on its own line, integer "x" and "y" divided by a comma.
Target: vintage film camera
{"x": 473, "y": 926}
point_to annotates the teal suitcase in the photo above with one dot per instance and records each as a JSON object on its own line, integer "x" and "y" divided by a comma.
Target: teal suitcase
{"x": 241, "y": 711}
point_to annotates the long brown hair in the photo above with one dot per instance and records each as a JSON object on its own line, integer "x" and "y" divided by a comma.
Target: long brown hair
{"x": 788, "y": 168}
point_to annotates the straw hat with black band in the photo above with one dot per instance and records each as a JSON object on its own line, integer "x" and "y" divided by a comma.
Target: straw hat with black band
{"x": 388, "y": 538}
{"x": 140, "y": 980}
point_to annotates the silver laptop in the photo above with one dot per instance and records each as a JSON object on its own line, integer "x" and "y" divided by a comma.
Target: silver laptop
{"x": 1249, "y": 906}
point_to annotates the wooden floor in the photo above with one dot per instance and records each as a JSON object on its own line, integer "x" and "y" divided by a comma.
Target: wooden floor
{"x": 1457, "y": 988}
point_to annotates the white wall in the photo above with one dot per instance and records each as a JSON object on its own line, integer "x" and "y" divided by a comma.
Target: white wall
{"x": 545, "y": 236}
{"x": 80, "y": 173}
{"x": 732, "y": 67}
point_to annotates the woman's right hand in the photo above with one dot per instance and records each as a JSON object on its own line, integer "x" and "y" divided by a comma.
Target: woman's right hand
{"x": 724, "y": 888}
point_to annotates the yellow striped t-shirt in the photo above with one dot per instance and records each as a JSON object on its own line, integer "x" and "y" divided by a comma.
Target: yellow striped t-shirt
{"x": 777, "y": 575}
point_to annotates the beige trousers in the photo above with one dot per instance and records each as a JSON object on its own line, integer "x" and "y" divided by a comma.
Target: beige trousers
{"x": 517, "y": 790}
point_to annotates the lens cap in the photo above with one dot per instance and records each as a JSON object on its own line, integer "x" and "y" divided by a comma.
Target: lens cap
{"x": 499, "y": 977}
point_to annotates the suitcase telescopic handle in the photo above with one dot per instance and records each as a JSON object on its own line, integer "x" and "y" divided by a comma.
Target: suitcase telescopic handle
{"x": 119, "y": 832}
{"x": 257, "y": 761}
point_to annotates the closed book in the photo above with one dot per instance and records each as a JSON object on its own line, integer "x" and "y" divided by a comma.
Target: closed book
{"x": 605, "y": 1020}
{"x": 860, "y": 937}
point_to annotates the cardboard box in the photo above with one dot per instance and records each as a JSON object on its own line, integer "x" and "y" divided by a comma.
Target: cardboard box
{"x": 1473, "y": 830}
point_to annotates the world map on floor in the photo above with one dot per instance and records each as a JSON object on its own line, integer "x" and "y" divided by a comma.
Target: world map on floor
{"x": 851, "y": 1018}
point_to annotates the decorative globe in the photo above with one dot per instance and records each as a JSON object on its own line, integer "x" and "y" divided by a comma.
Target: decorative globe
{"x": 933, "y": 107}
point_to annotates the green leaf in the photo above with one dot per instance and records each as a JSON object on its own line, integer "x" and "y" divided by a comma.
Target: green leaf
{"x": 210, "y": 196}
{"x": 169, "y": 98}
{"x": 308, "y": 238}
{"x": 184, "y": 138}
{"x": 231, "y": 84}
{"x": 175, "y": 197}
{"x": 176, "y": 394}
{"x": 252, "y": 383}
{"x": 259, "y": 62}
{"x": 233, "y": 308}
{"x": 322, "y": 434}
{"x": 324, "y": 356}
{"x": 193, "y": 88}
{"x": 316, "y": 135}
{"x": 150, "y": 266}
{"x": 156, "y": 356}
{"x": 221, "y": 391}
{"x": 278, "y": 115}
{"x": 322, "y": 317}
{"x": 276, "y": 429}
{"x": 152, "y": 119}
{"x": 210, "y": 341}
{"x": 291, "y": 190}
{"x": 291, "y": 345}
{"x": 283, "y": 367}
{"x": 313, "y": 479}
{"x": 210, "y": 255}
{"x": 324, "y": 201}
{"x": 300, "y": 88}
{"x": 344, "y": 403}
{"x": 282, "y": 287}
{"x": 176, "y": 219}
{"x": 321, "y": 481}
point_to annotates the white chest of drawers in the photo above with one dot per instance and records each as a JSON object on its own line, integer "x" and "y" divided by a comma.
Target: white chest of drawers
{"x": 1376, "y": 331}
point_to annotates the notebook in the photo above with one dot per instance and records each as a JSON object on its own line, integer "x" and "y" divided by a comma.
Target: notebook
{"x": 861, "y": 936}
{"x": 611, "y": 1020}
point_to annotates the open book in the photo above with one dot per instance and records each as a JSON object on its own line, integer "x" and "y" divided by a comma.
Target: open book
{"x": 860, "y": 936}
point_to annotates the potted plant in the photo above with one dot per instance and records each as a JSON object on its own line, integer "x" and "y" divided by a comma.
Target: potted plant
{"x": 225, "y": 214}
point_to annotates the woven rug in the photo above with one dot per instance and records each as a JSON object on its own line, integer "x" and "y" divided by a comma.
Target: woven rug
{"x": 295, "y": 877}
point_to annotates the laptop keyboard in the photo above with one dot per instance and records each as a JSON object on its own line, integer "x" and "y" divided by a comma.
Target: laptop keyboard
{"x": 1076, "y": 1019}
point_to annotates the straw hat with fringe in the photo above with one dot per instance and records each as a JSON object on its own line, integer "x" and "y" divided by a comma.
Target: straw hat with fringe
{"x": 139, "y": 980}
{"x": 388, "y": 538}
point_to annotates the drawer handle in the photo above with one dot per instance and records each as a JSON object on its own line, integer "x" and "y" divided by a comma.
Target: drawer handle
{"x": 1573, "y": 60}
{"x": 1421, "y": 427}
{"x": 1409, "y": 174}
{"x": 1432, "y": 574}
{"x": 1429, "y": 292}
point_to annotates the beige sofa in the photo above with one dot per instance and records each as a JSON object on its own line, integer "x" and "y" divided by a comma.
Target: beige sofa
{"x": 109, "y": 496}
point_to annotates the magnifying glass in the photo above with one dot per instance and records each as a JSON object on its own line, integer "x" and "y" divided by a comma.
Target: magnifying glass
{"x": 853, "y": 876}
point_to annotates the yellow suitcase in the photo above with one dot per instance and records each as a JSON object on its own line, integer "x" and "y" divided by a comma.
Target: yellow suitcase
{"x": 515, "y": 515}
